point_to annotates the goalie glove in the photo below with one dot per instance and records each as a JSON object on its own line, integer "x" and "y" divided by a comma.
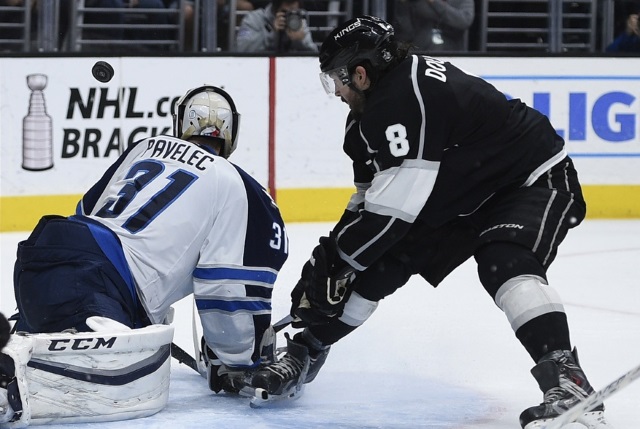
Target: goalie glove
{"x": 324, "y": 283}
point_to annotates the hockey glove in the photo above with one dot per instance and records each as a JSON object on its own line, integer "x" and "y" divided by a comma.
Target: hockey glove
{"x": 324, "y": 283}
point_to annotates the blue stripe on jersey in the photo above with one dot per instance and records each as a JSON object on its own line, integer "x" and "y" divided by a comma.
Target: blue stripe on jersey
{"x": 235, "y": 274}
{"x": 232, "y": 306}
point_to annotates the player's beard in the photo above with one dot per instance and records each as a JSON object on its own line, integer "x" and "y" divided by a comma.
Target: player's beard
{"x": 356, "y": 103}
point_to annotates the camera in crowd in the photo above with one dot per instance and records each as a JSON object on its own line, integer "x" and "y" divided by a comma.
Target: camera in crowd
{"x": 294, "y": 19}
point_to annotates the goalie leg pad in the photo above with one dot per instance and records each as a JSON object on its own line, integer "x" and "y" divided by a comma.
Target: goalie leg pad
{"x": 105, "y": 376}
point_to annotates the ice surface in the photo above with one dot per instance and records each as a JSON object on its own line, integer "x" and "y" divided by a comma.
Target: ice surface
{"x": 428, "y": 358}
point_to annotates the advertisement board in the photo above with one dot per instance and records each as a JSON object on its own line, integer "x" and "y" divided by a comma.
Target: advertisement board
{"x": 60, "y": 128}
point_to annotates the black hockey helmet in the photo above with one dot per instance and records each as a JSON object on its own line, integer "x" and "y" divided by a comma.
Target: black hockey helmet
{"x": 355, "y": 42}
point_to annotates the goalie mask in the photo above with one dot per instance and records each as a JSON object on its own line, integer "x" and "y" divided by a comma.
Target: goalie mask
{"x": 210, "y": 112}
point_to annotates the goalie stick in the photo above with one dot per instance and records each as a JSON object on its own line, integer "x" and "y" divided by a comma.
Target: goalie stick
{"x": 572, "y": 414}
{"x": 181, "y": 356}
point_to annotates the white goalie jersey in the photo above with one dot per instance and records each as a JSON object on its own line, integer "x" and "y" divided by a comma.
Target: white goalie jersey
{"x": 191, "y": 222}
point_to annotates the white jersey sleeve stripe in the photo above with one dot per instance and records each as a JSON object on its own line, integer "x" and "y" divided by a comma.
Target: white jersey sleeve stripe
{"x": 406, "y": 188}
{"x": 420, "y": 99}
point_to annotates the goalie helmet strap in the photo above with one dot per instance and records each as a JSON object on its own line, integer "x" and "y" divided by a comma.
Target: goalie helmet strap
{"x": 13, "y": 396}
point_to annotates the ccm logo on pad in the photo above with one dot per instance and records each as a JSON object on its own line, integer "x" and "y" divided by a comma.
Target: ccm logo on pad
{"x": 81, "y": 344}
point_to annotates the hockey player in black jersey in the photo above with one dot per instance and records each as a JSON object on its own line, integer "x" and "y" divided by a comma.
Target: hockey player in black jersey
{"x": 446, "y": 168}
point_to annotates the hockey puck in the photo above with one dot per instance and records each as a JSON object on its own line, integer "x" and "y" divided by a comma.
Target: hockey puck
{"x": 102, "y": 71}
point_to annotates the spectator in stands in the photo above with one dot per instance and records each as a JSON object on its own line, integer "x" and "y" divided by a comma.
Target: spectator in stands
{"x": 188, "y": 21}
{"x": 117, "y": 20}
{"x": 155, "y": 21}
{"x": 224, "y": 17}
{"x": 222, "y": 27}
{"x": 281, "y": 26}
{"x": 629, "y": 39}
{"x": 434, "y": 25}
{"x": 114, "y": 20}
{"x": 13, "y": 25}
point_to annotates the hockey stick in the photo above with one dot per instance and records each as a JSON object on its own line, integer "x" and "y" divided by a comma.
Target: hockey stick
{"x": 182, "y": 356}
{"x": 282, "y": 323}
{"x": 594, "y": 400}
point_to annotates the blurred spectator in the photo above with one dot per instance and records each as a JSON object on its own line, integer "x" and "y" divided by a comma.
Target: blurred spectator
{"x": 154, "y": 31}
{"x": 222, "y": 27}
{"x": 323, "y": 16}
{"x": 114, "y": 21}
{"x": 281, "y": 26}
{"x": 433, "y": 25}
{"x": 15, "y": 32}
{"x": 224, "y": 17}
{"x": 115, "y": 28}
{"x": 188, "y": 20}
{"x": 629, "y": 39}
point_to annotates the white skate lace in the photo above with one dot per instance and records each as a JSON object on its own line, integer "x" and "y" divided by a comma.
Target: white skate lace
{"x": 567, "y": 391}
{"x": 554, "y": 394}
{"x": 288, "y": 367}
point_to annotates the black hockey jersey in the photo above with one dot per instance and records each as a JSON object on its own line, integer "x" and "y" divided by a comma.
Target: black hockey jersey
{"x": 435, "y": 143}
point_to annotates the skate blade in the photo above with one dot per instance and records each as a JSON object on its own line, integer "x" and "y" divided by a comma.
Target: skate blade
{"x": 260, "y": 398}
{"x": 544, "y": 424}
{"x": 589, "y": 420}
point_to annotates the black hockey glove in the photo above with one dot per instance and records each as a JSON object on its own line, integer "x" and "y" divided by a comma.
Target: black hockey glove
{"x": 324, "y": 283}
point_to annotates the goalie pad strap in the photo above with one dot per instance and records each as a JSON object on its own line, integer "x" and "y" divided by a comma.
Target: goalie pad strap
{"x": 13, "y": 397}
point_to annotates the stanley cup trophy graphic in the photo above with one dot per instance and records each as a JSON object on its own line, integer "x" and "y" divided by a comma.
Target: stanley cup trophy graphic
{"x": 37, "y": 139}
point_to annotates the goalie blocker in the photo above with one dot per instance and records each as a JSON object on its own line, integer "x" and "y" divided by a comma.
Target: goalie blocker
{"x": 110, "y": 375}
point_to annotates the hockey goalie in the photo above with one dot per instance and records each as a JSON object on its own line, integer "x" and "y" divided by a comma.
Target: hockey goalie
{"x": 170, "y": 218}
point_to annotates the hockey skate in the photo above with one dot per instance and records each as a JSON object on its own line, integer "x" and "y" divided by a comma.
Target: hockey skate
{"x": 230, "y": 380}
{"x": 564, "y": 385}
{"x": 285, "y": 379}
{"x": 223, "y": 378}
{"x": 236, "y": 380}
